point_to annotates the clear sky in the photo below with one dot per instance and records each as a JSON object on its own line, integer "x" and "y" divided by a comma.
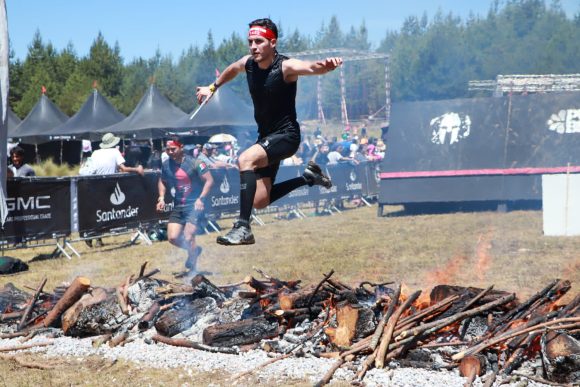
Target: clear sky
{"x": 143, "y": 26}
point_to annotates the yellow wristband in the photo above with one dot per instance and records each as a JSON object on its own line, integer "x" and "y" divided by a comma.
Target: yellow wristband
{"x": 212, "y": 88}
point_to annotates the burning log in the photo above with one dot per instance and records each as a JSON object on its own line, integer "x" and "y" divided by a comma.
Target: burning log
{"x": 472, "y": 367}
{"x": 148, "y": 319}
{"x": 386, "y": 339}
{"x": 354, "y": 321}
{"x": 302, "y": 297}
{"x": 561, "y": 357}
{"x": 567, "y": 323}
{"x": 517, "y": 311}
{"x": 94, "y": 313}
{"x": 30, "y": 306}
{"x": 194, "y": 345}
{"x": 240, "y": 332}
{"x": 379, "y": 331}
{"x": 202, "y": 287}
{"x": 75, "y": 291}
{"x": 183, "y": 316}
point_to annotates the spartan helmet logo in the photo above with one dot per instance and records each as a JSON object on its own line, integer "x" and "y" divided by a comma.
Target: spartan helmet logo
{"x": 566, "y": 121}
{"x": 225, "y": 185}
{"x": 117, "y": 197}
{"x": 352, "y": 175}
{"x": 450, "y": 128}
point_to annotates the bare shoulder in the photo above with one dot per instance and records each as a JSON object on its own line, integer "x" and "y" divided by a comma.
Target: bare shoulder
{"x": 241, "y": 63}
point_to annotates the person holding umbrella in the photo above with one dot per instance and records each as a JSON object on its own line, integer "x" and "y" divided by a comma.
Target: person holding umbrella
{"x": 272, "y": 80}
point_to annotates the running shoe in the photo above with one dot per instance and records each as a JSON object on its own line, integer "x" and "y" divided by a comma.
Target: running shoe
{"x": 314, "y": 176}
{"x": 240, "y": 234}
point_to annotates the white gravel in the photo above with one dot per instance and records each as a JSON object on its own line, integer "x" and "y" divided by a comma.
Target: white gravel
{"x": 164, "y": 356}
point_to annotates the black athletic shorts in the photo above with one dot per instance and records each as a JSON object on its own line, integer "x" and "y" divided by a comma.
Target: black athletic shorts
{"x": 186, "y": 214}
{"x": 278, "y": 146}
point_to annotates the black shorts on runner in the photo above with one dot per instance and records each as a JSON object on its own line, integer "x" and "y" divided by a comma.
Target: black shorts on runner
{"x": 186, "y": 214}
{"x": 278, "y": 146}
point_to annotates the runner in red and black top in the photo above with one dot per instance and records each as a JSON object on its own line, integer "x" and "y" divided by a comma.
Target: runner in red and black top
{"x": 272, "y": 82}
{"x": 191, "y": 181}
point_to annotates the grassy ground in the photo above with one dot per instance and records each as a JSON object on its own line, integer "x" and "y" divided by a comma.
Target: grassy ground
{"x": 478, "y": 249}
{"x": 471, "y": 249}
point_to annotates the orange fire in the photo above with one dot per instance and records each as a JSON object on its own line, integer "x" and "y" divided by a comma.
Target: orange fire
{"x": 447, "y": 274}
{"x": 483, "y": 255}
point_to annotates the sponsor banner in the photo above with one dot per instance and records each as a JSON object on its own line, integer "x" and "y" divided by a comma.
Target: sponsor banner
{"x": 346, "y": 180}
{"x": 112, "y": 202}
{"x": 38, "y": 208}
{"x": 224, "y": 196}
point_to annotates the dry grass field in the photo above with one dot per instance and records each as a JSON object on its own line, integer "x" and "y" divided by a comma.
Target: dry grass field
{"x": 471, "y": 249}
{"x": 475, "y": 249}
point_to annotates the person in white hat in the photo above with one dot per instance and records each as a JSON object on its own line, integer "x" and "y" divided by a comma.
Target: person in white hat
{"x": 108, "y": 160}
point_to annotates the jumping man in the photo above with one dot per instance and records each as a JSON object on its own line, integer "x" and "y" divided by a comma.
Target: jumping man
{"x": 272, "y": 82}
{"x": 192, "y": 182}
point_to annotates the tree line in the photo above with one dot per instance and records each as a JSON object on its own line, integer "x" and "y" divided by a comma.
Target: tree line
{"x": 429, "y": 59}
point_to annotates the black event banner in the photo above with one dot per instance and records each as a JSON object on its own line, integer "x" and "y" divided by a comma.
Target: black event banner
{"x": 38, "y": 208}
{"x": 544, "y": 130}
{"x": 457, "y": 134}
{"x": 116, "y": 202}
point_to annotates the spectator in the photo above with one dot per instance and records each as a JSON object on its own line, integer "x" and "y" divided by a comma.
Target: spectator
{"x": 320, "y": 157}
{"x": 335, "y": 155}
{"x": 18, "y": 167}
{"x": 380, "y": 149}
{"x": 105, "y": 161}
{"x": 207, "y": 155}
{"x": 108, "y": 160}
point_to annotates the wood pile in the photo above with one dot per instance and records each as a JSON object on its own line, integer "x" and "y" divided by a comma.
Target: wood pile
{"x": 367, "y": 326}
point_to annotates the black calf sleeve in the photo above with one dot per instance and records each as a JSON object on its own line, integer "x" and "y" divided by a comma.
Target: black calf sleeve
{"x": 285, "y": 187}
{"x": 247, "y": 193}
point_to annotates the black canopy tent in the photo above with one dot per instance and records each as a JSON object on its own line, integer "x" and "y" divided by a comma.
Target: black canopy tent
{"x": 31, "y": 132}
{"x": 43, "y": 117}
{"x": 96, "y": 113}
{"x": 149, "y": 120}
{"x": 13, "y": 120}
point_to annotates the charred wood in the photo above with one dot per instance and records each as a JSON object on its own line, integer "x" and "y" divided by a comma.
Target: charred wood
{"x": 240, "y": 332}
{"x": 30, "y": 306}
{"x": 561, "y": 357}
{"x": 202, "y": 288}
{"x": 194, "y": 345}
{"x": 94, "y": 313}
{"x": 301, "y": 298}
{"x": 148, "y": 319}
{"x": 183, "y": 316}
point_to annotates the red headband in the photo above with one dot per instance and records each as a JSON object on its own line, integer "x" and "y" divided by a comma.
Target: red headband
{"x": 261, "y": 31}
{"x": 174, "y": 143}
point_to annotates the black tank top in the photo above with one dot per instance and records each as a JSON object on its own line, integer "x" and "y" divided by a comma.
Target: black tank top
{"x": 274, "y": 99}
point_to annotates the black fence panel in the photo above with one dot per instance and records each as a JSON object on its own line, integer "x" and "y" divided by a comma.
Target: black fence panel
{"x": 114, "y": 202}
{"x": 38, "y": 208}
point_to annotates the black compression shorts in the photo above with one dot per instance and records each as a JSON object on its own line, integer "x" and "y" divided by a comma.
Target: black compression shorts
{"x": 278, "y": 146}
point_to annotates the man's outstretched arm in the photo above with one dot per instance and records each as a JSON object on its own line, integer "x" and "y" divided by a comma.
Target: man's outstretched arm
{"x": 293, "y": 68}
{"x": 227, "y": 75}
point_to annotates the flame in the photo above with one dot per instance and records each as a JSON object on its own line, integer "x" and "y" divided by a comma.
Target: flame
{"x": 482, "y": 253}
{"x": 448, "y": 273}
